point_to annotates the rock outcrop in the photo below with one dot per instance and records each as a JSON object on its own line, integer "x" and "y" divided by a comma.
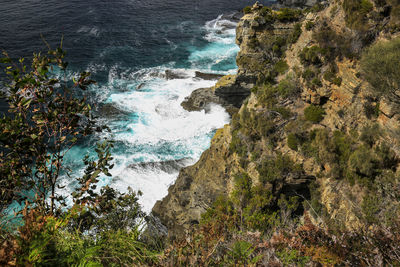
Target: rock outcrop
{"x": 196, "y": 187}
{"x": 267, "y": 122}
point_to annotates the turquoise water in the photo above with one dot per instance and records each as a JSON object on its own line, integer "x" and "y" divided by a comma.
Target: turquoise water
{"x": 128, "y": 45}
{"x": 148, "y": 124}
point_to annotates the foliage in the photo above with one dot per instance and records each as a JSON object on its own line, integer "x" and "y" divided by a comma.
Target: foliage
{"x": 309, "y": 25}
{"x": 370, "y": 110}
{"x": 281, "y": 66}
{"x": 78, "y": 239}
{"x": 289, "y": 257}
{"x": 288, "y": 14}
{"x": 288, "y": 87}
{"x": 247, "y": 10}
{"x": 314, "y": 113}
{"x": 308, "y": 74}
{"x": 47, "y": 118}
{"x": 316, "y": 82}
{"x": 294, "y": 36}
{"x": 379, "y": 68}
{"x": 338, "y": 45}
{"x": 292, "y": 141}
{"x": 356, "y": 13}
{"x": 331, "y": 77}
{"x": 311, "y": 55}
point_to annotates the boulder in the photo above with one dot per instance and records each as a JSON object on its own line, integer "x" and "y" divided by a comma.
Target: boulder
{"x": 208, "y": 76}
{"x": 173, "y": 74}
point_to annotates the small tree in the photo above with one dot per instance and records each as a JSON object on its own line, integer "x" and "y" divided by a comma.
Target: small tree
{"x": 380, "y": 66}
{"x": 47, "y": 117}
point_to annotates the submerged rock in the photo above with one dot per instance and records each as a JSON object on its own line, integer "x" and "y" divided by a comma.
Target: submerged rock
{"x": 168, "y": 166}
{"x": 173, "y": 74}
{"x": 110, "y": 110}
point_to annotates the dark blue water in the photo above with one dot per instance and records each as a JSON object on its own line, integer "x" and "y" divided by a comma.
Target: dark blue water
{"x": 128, "y": 45}
{"x": 132, "y": 33}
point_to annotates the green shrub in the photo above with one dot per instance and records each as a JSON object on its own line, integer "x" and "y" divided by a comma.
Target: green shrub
{"x": 317, "y": 8}
{"x": 241, "y": 193}
{"x": 308, "y": 74}
{"x": 237, "y": 146}
{"x": 288, "y": 14}
{"x": 331, "y": 77}
{"x": 241, "y": 254}
{"x": 292, "y": 257}
{"x": 362, "y": 162}
{"x": 281, "y": 66}
{"x": 314, "y": 113}
{"x": 294, "y": 36}
{"x": 310, "y": 25}
{"x": 370, "y": 134}
{"x": 337, "y": 81}
{"x": 285, "y": 112}
{"x": 317, "y": 82}
{"x": 288, "y": 87}
{"x": 311, "y": 55}
{"x": 277, "y": 168}
{"x": 247, "y": 10}
{"x": 292, "y": 141}
{"x": 335, "y": 45}
{"x": 356, "y": 12}
{"x": 379, "y": 66}
{"x": 370, "y": 207}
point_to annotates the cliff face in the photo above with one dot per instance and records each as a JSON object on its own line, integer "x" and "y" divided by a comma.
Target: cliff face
{"x": 308, "y": 107}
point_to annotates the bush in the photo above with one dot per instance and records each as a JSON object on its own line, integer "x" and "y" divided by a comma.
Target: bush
{"x": 331, "y": 77}
{"x": 288, "y": 87}
{"x": 356, "y": 12}
{"x": 288, "y": 14}
{"x": 317, "y": 8}
{"x": 292, "y": 141}
{"x": 308, "y": 74}
{"x": 379, "y": 66}
{"x": 247, "y": 10}
{"x": 309, "y": 25}
{"x": 336, "y": 45}
{"x": 337, "y": 81}
{"x": 281, "y": 66}
{"x": 311, "y": 55}
{"x": 294, "y": 36}
{"x": 314, "y": 113}
{"x": 317, "y": 82}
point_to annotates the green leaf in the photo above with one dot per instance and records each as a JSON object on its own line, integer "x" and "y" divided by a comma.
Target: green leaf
{"x": 5, "y": 60}
{"x": 96, "y": 173}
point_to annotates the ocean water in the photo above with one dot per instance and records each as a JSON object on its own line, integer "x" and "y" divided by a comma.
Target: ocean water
{"x": 128, "y": 46}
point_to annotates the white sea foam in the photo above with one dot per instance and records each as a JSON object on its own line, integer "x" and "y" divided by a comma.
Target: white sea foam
{"x": 157, "y": 128}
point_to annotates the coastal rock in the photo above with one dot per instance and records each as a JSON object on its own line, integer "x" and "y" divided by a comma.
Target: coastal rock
{"x": 232, "y": 90}
{"x": 344, "y": 110}
{"x": 110, "y": 110}
{"x": 208, "y": 76}
{"x": 168, "y": 166}
{"x": 174, "y": 74}
{"x": 196, "y": 188}
{"x": 199, "y": 99}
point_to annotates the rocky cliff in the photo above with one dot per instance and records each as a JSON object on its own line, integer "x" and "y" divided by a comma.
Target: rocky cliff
{"x": 309, "y": 126}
